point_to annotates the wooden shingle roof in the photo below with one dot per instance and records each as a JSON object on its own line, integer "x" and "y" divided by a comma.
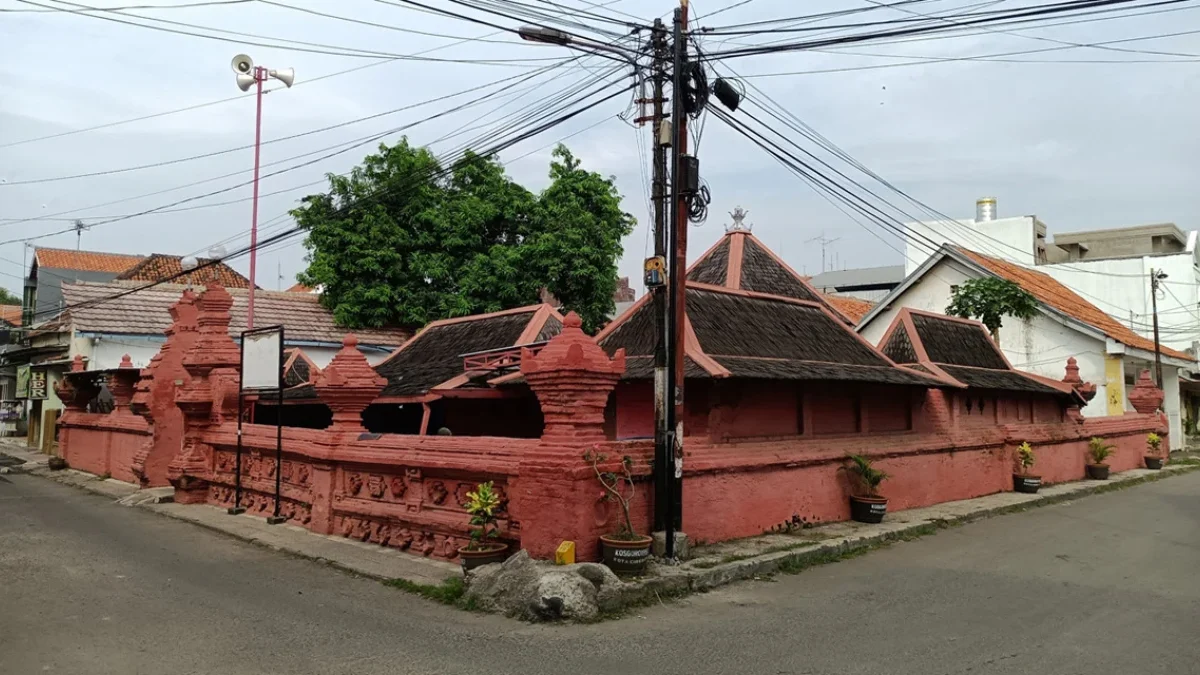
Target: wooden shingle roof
{"x": 740, "y": 261}
{"x": 745, "y": 334}
{"x": 433, "y": 357}
{"x": 961, "y": 351}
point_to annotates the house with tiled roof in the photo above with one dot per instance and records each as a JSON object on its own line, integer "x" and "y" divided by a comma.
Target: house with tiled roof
{"x": 1067, "y": 325}
{"x": 53, "y": 266}
{"x": 160, "y": 266}
{"x": 103, "y": 327}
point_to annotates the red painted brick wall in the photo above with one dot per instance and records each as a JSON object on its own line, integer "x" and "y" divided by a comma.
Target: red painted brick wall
{"x": 102, "y": 444}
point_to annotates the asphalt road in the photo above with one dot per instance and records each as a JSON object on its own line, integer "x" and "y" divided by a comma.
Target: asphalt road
{"x": 1106, "y": 585}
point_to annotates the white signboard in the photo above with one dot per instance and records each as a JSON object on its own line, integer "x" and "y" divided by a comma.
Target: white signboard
{"x": 262, "y": 359}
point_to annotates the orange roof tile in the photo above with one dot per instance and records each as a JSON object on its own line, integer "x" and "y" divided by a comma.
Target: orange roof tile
{"x": 85, "y": 261}
{"x": 299, "y": 288}
{"x": 162, "y": 267}
{"x": 1053, "y": 293}
{"x": 10, "y": 314}
{"x": 854, "y": 308}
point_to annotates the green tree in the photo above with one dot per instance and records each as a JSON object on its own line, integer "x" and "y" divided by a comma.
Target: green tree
{"x": 989, "y": 299}
{"x": 7, "y": 297}
{"x": 403, "y": 240}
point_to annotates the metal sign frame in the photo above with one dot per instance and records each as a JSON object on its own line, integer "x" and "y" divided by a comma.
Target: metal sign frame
{"x": 237, "y": 508}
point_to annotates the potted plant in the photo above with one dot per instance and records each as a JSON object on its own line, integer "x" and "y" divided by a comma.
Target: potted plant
{"x": 625, "y": 551}
{"x": 1153, "y": 456}
{"x": 483, "y": 505}
{"x": 1099, "y": 451}
{"x": 869, "y": 507}
{"x": 1024, "y": 481}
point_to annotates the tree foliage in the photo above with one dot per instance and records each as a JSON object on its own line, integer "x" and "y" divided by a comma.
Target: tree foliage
{"x": 989, "y": 299}
{"x": 403, "y": 241}
{"x": 8, "y": 298}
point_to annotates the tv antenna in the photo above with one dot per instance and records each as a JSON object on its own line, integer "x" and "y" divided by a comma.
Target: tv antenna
{"x": 824, "y": 244}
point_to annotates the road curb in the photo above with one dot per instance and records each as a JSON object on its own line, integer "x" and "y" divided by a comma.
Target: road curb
{"x": 678, "y": 581}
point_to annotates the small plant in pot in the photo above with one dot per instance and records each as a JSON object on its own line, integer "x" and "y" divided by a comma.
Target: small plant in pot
{"x": 1025, "y": 481}
{"x": 869, "y": 507}
{"x": 1098, "y": 451}
{"x": 1154, "y": 458}
{"x": 625, "y": 551}
{"x": 483, "y": 504}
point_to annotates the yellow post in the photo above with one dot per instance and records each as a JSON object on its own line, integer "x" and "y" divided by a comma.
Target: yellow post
{"x": 565, "y": 555}
{"x": 1114, "y": 382}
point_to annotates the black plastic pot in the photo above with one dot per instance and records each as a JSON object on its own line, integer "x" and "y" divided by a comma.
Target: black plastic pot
{"x": 625, "y": 556}
{"x": 56, "y": 463}
{"x": 472, "y": 558}
{"x": 1026, "y": 483}
{"x": 1153, "y": 462}
{"x": 1097, "y": 471}
{"x": 868, "y": 509}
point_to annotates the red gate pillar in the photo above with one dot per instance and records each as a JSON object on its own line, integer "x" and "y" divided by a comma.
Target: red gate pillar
{"x": 209, "y": 398}
{"x": 557, "y": 493}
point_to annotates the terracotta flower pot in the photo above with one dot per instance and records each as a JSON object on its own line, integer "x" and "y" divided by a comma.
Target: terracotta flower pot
{"x": 1025, "y": 483}
{"x": 625, "y": 556}
{"x": 1097, "y": 471}
{"x": 1153, "y": 462}
{"x": 484, "y": 555}
{"x": 868, "y": 509}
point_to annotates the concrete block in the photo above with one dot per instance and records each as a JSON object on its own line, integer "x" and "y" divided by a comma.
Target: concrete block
{"x": 659, "y": 548}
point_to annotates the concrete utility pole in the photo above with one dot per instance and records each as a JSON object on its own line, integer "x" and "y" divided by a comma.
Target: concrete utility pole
{"x": 1155, "y": 277}
{"x": 661, "y": 141}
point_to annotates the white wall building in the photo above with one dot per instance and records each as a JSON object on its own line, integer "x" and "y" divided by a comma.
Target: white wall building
{"x": 1109, "y": 354}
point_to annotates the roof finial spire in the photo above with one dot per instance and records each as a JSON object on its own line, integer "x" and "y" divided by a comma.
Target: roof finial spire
{"x": 738, "y": 214}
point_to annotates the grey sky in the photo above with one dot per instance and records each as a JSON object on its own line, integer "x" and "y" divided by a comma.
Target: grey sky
{"x": 1081, "y": 145}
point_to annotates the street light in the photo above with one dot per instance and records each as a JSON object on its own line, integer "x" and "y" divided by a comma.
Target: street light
{"x": 551, "y": 36}
{"x": 249, "y": 75}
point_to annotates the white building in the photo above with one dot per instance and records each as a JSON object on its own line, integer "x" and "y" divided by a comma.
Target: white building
{"x": 1109, "y": 354}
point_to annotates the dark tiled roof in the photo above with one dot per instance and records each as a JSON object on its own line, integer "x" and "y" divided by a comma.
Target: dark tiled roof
{"x": 713, "y": 268}
{"x": 758, "y": 337}
{"x": 642, "y": 368}
{"x": 762, "y": 273}
{"x": 159, "y": 267}
{"x": 298, "y": 369}
{"x": 961, "y": 350}
{"x": 957, "y": 343}
{"x": 785, "y": 369}
{"x": 1003, "y": 380}
{"x": 737, "y": 325}
{"x": 899, "y": 348}
{"x": 434, "y": 355}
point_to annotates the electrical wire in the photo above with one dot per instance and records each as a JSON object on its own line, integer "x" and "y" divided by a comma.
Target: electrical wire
{"x": 293, "y": 45}
{"x": 216, "y": 153}
{"x": 268, "y": 241}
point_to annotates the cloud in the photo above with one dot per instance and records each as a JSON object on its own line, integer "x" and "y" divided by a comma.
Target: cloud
{"x": 1080, "y": 145}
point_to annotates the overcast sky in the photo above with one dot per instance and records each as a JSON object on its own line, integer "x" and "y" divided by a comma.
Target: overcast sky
{"x": 1080, "y": 145}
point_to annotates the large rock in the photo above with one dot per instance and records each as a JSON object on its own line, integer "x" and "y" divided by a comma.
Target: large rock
{"x": 524, "y": 589}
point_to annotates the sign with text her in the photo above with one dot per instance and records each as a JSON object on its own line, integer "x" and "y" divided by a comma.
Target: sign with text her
{"x": 262, "y": 358}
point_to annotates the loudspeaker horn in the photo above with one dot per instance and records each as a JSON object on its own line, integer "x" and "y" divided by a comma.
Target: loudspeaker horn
{"x": 287, "y": 76}
{"x": 242, "y": 64}
{"x": 244, "y": 81}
